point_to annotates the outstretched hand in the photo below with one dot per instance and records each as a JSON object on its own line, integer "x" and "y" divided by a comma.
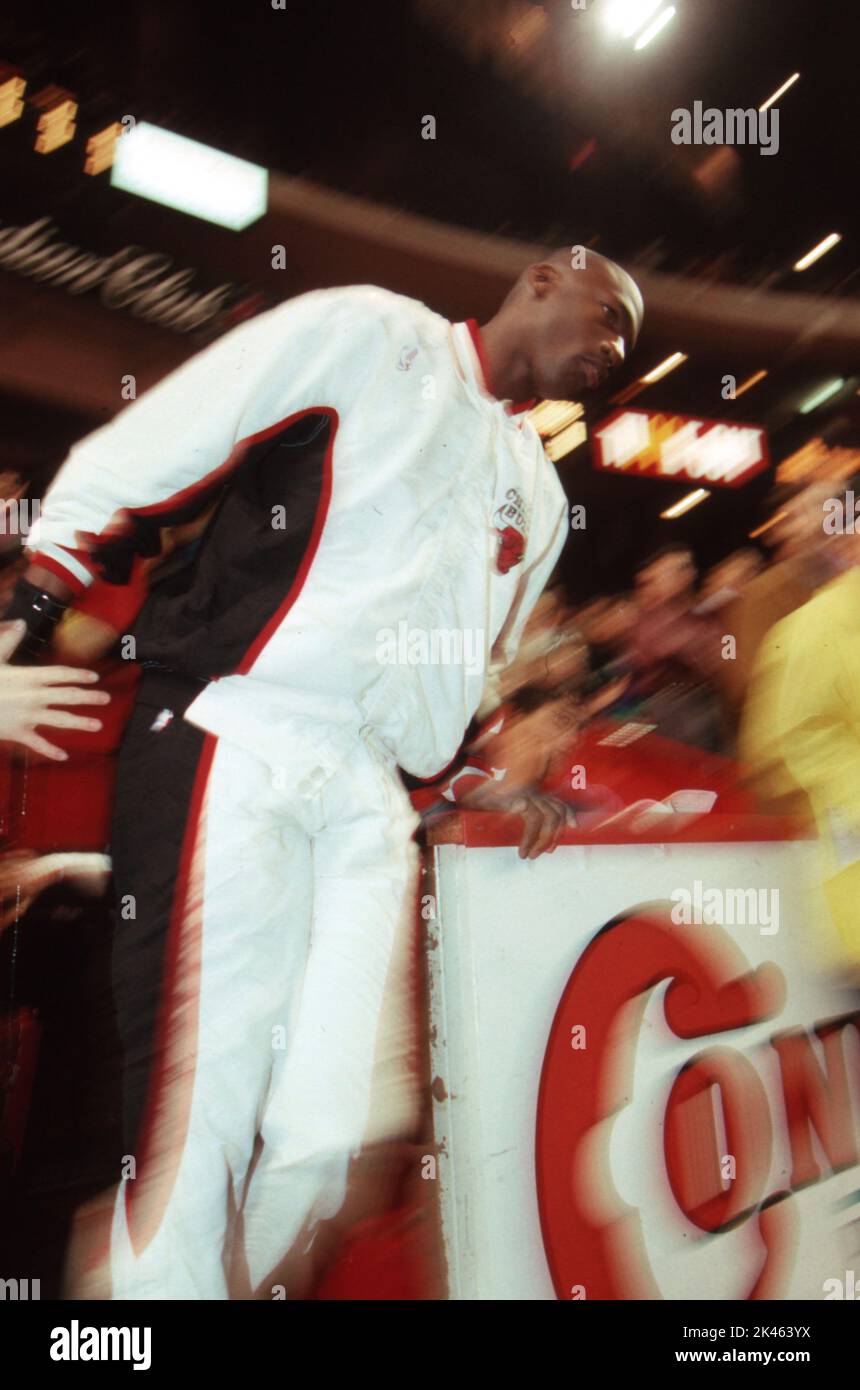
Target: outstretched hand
{"x": 28, "y": 694}
{"x": 544, "y": 818}
{"x": 24, "y": 874}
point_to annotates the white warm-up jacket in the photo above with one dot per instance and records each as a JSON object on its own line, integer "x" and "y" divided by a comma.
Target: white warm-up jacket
{"x": 431, "y": 519}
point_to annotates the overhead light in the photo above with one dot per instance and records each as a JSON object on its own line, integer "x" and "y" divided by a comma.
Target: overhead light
{"x": 817, "y": 251}
{"x": 663, "y": 368}
{"x": 12, "y": 88}
{"x": 750, "y": 382}
{"x": 549, "y": 417}
{"x": 692, "y": 499}
{"x": 56, "y": 124}
{"x": 626, "y": 17}
{"x": 766, "y": 525}
{"x": 193, "y": 178}
{"x": 560, "y": 425}
{"x": 779, "y": 91}
{"x": 653, "y": 30}
{"x": 628, "y": 393}
{"x": 566, "y": 440}
{"x": 823, "y": 394}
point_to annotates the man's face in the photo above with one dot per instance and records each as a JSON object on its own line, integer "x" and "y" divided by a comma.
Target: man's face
{"x": 734, "y": 573}
{"x": 664, "y": 580}
{"x": 798, "y": 524}
{"x": 615, "y": 623}
{"x": 584, "y": 325}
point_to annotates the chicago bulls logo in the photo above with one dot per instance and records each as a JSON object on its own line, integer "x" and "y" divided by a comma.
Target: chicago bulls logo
{"x": 510, "y": 523}
{"x": 512, "y": 545}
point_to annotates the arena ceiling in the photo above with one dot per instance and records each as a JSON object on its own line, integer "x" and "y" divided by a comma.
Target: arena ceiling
{"x": 546, "y": 132}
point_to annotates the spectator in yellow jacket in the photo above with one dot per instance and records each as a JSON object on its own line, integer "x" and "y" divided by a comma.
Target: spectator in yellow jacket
{"x": 802, "y": 719}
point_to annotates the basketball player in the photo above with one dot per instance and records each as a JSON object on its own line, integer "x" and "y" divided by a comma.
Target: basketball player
{"x": 386, "y": 519}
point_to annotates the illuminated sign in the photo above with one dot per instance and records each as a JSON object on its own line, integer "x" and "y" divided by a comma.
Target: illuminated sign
{"x": 12, "y": 87}
{"x": 56, "y": 124}
{"x": 56, "y": 119}
{"x": 143, "y": 282}
{"x": 190, "y": 177}
{"x": 679, "y": 448}
{"x": 100, "y": 148}
{"x": 150, "y": 162}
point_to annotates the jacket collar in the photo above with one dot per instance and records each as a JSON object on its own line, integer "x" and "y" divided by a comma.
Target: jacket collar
{"x": 469, "y": 349}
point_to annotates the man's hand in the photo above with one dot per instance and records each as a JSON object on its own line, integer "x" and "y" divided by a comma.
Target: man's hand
{"x": 25, "y": 874}
{"x": 27, "y": 694}
{"x": 544, "y": 818}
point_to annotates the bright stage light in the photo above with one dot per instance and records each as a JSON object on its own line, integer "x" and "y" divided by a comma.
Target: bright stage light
{"x": 750, "y": 382}
{"x": 818, "y": 251}
{"x": 692, "y": 499}
{"x": 654, "y": 29}
{"x": 626, "y": 17}
{"x": 663, "y": 368}
{"x": 193, "y": 178}
{"x": 821, "y": 395}
{"x": 779, "y": 91}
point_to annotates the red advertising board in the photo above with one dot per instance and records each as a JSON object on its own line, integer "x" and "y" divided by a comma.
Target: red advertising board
{"x": 680, "y": 448}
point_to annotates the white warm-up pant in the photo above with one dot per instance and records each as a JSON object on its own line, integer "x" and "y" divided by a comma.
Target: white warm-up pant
{"x": 285, "y": 1018}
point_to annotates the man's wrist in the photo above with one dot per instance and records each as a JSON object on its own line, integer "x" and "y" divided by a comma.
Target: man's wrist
{"x": 49, "y": 583}
{"x": 40, "y": 611}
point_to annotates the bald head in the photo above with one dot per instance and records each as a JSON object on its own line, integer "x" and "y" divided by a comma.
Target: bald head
{"x": 569, "y": 322}
{"x": 581, "y": 260}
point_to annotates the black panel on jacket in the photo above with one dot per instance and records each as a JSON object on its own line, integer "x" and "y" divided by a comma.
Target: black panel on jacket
{"x": 201, "y": 620}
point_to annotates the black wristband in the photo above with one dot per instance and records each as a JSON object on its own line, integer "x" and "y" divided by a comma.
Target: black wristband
{"x": 41, "y": 612}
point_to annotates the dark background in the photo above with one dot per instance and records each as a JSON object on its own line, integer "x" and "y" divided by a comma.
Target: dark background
{"x": 546, "y": 131}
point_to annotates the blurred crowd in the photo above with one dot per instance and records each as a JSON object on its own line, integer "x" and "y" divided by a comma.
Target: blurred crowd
{"x": 735, "y": 691}
{"x": 678, "y": 652}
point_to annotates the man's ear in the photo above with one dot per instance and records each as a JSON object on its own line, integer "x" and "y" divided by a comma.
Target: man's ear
{"x": 542, "y": 278}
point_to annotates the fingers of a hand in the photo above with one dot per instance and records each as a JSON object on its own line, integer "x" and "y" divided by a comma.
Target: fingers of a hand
{"x": 10, "y": 637}
{"x": 41, "y": 745}
{"x": 532, "y": 823}
{"x": 548, "y": 829}
{"x": 61, "y": 719}
{"x": 545, "y": 823}
{"x": 67, "y": 675}
{"x": 73, "y": 695}
{"x": 560, "y": 815}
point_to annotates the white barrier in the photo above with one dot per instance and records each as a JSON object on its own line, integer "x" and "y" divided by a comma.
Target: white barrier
{"x": 687, "y": 1071}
